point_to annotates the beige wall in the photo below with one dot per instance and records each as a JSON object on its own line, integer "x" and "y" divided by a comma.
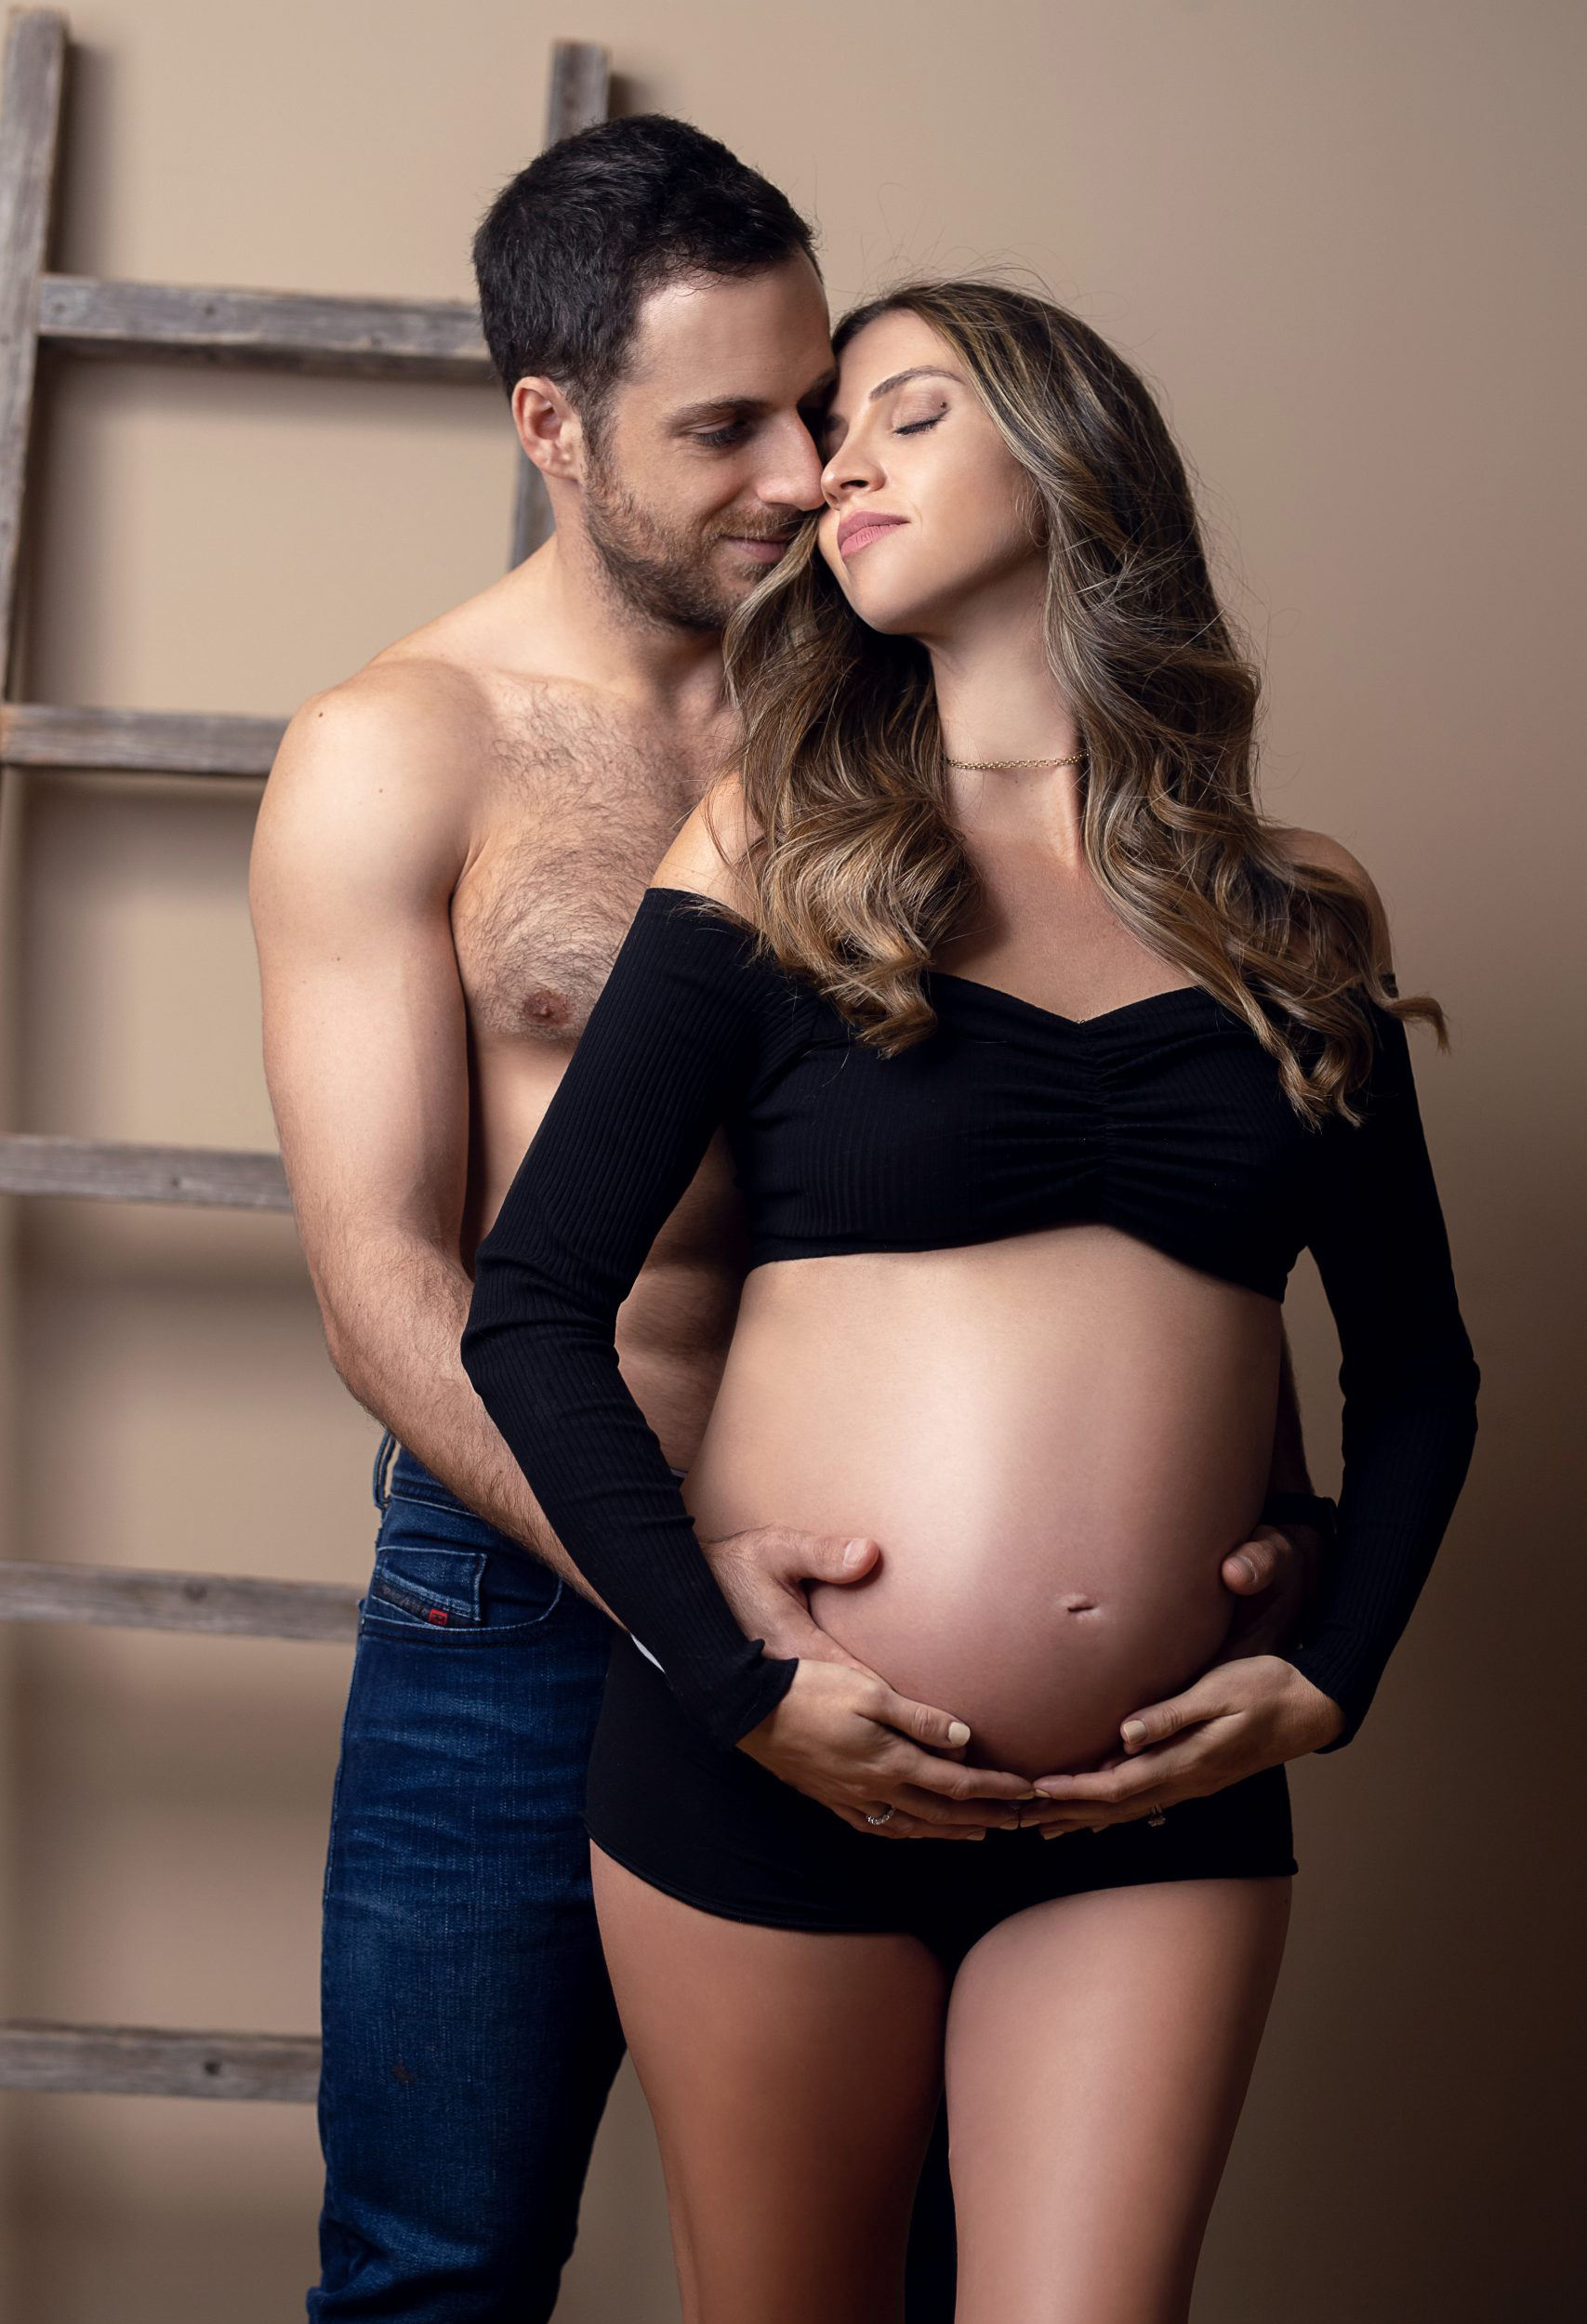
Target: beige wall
{"x": 1340, "y": 240}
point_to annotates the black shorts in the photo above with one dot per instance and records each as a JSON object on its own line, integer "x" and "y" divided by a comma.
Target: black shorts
{"x": 714, "y": 1827}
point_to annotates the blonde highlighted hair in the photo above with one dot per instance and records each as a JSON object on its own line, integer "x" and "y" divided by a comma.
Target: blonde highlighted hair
{"x": 856, "y": 874}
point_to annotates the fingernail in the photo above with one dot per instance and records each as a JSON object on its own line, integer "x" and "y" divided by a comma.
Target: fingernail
{"x": 957, "y": 1732}
{"x": 1246, "y": 1568}
{"x": 1134, "y": 1731}
{"x": 855, "y": 1552}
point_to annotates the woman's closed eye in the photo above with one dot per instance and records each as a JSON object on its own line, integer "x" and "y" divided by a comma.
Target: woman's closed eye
{"x": 917, "y": 427}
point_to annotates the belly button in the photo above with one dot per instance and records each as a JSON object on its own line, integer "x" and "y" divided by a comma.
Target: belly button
{"x": 1077, "y": 1603}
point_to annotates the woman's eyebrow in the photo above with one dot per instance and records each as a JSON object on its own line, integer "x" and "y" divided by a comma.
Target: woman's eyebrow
{"x": 918, "y": 371}
{"x": 897, "y": 379}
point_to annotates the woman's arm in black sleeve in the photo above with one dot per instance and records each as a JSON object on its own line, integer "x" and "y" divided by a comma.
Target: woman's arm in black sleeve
{"x": 1408, "y": 1373}
{"x": 672, "y": 1041}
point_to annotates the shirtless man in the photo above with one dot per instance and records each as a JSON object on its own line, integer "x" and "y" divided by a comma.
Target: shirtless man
{"x": 451, "y": 845}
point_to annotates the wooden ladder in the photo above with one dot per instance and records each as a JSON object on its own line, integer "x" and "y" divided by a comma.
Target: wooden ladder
{"x": 427, "y": 339}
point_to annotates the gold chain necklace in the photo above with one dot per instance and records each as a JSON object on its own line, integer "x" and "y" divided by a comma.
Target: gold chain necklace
{"x": 988, "y": 766}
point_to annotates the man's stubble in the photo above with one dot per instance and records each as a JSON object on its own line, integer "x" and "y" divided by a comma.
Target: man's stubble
{"x": 661, "y": 574}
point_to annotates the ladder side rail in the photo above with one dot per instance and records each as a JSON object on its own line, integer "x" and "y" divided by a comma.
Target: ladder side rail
{"x": 580, "y": 97}
{"x": 30, "y": 145}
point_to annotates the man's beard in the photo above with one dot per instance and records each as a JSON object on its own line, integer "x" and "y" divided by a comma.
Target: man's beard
{"x": 664, "y": 576}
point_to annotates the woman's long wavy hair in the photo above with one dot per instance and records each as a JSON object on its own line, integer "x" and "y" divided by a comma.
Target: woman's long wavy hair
{"x": 854, "y": 870}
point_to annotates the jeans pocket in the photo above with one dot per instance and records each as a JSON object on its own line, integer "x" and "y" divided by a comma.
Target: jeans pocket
{"x": 486, "y": 1596}
{"x": 435, "y": 1586}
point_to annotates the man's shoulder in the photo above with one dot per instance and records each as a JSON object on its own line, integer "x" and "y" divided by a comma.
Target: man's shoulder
{"x": 369, "y": 787}
{"x": 408, "y": 710}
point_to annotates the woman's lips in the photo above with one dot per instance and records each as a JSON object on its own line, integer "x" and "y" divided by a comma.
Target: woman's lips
{"x": 861, "y": 534}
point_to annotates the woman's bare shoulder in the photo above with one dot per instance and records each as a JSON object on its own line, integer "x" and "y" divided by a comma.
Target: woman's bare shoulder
{"x": 1321, "y": 852}
{"x": 708, "y": 853}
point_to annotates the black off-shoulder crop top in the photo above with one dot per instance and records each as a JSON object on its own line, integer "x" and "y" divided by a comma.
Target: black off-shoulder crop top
{"x": 1163, "y": 1118}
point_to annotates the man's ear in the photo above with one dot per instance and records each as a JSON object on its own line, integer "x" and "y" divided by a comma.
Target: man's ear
{"x": 548, "y": 428}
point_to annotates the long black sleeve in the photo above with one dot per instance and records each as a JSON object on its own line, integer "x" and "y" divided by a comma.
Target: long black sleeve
{"x": 673, "y": 1039}
{"x": 1408, "y": 1373}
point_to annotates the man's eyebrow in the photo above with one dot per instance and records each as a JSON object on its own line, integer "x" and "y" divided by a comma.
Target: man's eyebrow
{"x": 717, "y": 410}
{"x": 898, "y": 378}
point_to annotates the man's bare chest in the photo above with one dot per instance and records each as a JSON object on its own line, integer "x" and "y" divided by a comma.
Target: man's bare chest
{"x": 569, "y": 841}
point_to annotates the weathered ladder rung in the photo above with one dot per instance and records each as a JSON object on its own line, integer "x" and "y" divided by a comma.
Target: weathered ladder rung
{"x": 147, "y": 2062}
{"x": 124, "y": 1597}
{"x": 137, "y": 742}
{"x": 107, "y": 1173}
{"x": 404, "y": 338}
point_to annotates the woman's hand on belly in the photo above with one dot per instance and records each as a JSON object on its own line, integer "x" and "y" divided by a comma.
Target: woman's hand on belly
{"x": 843, "y": 1737}
{"x": 1239, "y": 1717}
{"x": 837, "y": 1747}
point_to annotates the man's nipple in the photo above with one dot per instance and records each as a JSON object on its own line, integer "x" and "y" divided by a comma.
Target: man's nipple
{"x": 545, "y": 1008}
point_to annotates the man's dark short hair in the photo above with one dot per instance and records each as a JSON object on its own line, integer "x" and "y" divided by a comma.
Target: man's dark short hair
{"x": 573, "y": 245}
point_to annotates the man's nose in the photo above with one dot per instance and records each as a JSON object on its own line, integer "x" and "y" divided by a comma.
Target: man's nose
{"x": 793, "y": 480}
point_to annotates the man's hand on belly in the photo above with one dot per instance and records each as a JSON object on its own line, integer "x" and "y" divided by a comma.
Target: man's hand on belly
{"x": 762, "y": 1572}
{"x": 1272, "y": 1576}
{"x": 857, "y": 1749}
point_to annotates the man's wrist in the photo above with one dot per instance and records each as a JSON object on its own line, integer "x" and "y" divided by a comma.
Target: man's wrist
{"x": 1311, "y": 1522}
{"x": 1316, "y": 1510}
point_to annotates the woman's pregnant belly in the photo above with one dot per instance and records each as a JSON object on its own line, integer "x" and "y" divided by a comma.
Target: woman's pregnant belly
{"x": 1055, "y": 1439}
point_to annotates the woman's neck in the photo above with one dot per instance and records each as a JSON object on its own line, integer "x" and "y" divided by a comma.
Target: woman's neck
{"x": 997, "y": 698}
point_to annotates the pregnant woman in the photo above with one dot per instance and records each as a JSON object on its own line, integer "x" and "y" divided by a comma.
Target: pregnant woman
{"x": 1040, "y": 1055}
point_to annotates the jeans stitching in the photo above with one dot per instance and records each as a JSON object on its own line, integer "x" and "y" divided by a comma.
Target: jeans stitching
{"x": 377, "y": 1617}
{"x": 385, "y": 1453}
{"x": 450, "y": 1507}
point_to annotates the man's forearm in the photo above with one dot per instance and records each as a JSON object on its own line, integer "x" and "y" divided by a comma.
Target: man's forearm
{"x": 393, "y": 1328}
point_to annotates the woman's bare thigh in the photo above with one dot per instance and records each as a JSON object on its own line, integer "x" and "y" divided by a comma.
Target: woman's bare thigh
{"x": 793, "y": 2078}
{"x": 1098, "y": 2049}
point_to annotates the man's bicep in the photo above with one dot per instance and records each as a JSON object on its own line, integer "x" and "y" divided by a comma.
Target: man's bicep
{"x": 365, "y": 1036}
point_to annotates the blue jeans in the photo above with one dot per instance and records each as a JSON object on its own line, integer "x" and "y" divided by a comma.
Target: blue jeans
{"x": 469, "y": 2034}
